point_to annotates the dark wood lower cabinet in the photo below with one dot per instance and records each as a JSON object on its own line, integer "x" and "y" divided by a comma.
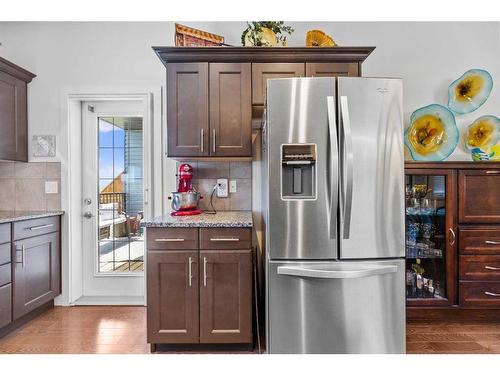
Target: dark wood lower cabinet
{"x": 173, "y": 299}
{"x": 37, "y": 272}
{"x": 203, "y": 295}
{"x": 5, "y": 305}
{"x": 226, "y": 296}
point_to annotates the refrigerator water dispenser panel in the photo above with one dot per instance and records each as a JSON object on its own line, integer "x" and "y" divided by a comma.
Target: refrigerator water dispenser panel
{"x": 298, "y": 171}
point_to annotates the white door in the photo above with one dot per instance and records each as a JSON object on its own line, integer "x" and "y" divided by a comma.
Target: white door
{"x": 114, "y": 181}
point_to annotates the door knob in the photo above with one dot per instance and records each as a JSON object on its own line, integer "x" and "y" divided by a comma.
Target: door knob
{"x": 88, "y": 215}
{"x": 87, "y": 201}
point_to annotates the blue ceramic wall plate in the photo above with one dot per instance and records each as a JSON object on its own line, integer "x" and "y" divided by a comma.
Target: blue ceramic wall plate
{"x": 470, "y": 91}
{"x": 432, "y": 134}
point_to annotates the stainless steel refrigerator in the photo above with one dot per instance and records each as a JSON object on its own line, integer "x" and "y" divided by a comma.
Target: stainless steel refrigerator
{"x": 333, "y": 202}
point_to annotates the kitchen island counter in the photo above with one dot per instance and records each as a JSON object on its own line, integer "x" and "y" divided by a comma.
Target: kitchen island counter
{"x": 222, "y": 219}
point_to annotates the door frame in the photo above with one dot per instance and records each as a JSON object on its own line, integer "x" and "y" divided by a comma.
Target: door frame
{"x": 71, "y": 184}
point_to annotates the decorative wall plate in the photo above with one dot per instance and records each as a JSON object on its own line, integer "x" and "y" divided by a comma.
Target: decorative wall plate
{"x": 432, "y": 134}
{"x": 484, "y": 132}
{"x": 481, "y": 138}
{"x": 470, "y": 91}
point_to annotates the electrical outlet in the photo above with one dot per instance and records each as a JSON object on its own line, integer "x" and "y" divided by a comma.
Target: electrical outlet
{"x": 222, "y": 188}
{"x": 51, "y": 187}
{"x": 232, "y": 186}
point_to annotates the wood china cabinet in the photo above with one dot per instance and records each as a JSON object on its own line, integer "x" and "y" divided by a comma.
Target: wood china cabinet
{"x": 214, "y": 93}
{"x": 471, "y": 230}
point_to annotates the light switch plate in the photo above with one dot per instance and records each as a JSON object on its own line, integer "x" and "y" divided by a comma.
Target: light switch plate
{"x": 51, "y": 187}
{"x": 222, "y": 188}
{"x": 232, "y": 186}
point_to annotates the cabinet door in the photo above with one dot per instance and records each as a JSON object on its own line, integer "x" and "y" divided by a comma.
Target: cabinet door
{"x": 187, "y": 109}
{"x": 173, "y": 296}
{"x": 430, "y": 237}
{"x": 37, "y": 272}
{"x": 332, "y": 70}
{"x": 225, "y": 296}
{"x": 261, "y": 72}
{"x": 230, "y": 109}
{"x": 13, "y": 118}
{"x": 478, "y": 198}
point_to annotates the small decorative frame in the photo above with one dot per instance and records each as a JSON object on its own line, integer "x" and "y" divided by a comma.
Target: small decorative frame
{"x": 43, "y": 146}
{"x": 186, "y": 36}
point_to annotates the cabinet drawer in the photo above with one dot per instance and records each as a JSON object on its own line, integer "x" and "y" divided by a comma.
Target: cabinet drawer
{"x": 480, "y": 267}
{"x": 5, "y": 253}
{"x": 225, "y": 238}
{"x": 479, "y": 240}
{"x": 480, "y": 294}
{"x": 478, "y": 198}
{"x": 36, "y": 227}
{"x": 4, "y": 232}
{"x": 5, "y": 305}
{"x": 5, "y": 274}
{"x": 172, "y": 238}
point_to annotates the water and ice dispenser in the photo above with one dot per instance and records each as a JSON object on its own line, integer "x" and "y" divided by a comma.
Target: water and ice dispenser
{"x": 298, "y": 171}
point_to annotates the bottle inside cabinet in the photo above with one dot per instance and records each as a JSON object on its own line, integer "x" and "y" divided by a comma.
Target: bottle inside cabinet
{"x": 425, "y": 236}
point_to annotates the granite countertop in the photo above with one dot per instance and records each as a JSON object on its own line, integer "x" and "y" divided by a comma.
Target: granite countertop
{"x": 10, "y": 216}
{"x": 229, "y": 219}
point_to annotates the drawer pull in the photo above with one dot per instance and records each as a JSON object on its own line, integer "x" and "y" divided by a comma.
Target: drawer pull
{"x": 492, "y": 294}
{"x": 453, "y": 236}
{"x": 492, "y": 172}
{"x": 37, "y": 227}
{"x": 170, "y": 240}
{"x": 190, "y": 270}
{"x": 23, "y": 255}
{"x": 492, "y": 242}
{"x": 226, "y": 239}
{"x": 205, "y": 271}
{"x": 492, "y": 268}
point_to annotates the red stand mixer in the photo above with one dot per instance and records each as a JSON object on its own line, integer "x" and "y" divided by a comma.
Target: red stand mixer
{"x": 185, "y": 199}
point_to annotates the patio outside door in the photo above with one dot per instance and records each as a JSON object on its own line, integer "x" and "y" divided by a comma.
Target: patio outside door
{"x": 113, "y": 187}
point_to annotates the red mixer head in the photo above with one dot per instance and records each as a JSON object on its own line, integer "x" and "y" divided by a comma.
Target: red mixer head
{"x": 185, "y": 175}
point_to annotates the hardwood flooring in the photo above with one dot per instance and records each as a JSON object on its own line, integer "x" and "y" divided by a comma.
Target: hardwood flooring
{"x": 122, "y": 330}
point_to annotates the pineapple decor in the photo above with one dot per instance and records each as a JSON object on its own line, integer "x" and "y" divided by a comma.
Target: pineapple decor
{"x": 265, "y": 34}
{"x": 317, "y": 38}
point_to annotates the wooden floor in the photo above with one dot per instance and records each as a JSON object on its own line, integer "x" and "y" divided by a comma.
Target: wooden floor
{"x": 122, "y": 330}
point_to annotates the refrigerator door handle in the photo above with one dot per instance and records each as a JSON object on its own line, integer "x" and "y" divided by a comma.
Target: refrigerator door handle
{"x": 336, "y": 274}
{"x": 334, "y": 167}
{"x": 348, "y": 164}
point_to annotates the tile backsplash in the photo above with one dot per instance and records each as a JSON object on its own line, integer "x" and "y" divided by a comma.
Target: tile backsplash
{"x": 22, "y": 186}
{"x": 206, "y": 174}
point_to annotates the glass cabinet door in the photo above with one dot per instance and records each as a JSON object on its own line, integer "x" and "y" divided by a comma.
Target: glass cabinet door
{"x": 427, "y": 239}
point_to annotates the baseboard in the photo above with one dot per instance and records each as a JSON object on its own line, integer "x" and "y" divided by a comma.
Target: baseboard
{"x": 110, "y": 301}
{"x": 447, "y": 314}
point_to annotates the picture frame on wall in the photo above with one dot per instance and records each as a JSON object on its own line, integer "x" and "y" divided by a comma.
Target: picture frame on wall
{"x": 186, "y": 36}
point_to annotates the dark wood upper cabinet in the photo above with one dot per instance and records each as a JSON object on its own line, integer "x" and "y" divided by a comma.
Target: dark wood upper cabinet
{"x": 479, "y": 197}
{"x": 230, "y": 109}
{"x": 187, "y": 109}
{"x": 173, "y": 296}
{"x": 225, "y": 296}
{"x": 13, "y": 111}
{"x": 261, "y": 72}
{"x": 37, "y": 272}
{"x": 314, "y": 69}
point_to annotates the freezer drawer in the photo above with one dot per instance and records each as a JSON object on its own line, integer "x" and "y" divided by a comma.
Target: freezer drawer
{"x": 336, "y": 307}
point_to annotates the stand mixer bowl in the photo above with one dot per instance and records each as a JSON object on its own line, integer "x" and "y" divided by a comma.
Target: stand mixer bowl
{"x": 184, "y": 201}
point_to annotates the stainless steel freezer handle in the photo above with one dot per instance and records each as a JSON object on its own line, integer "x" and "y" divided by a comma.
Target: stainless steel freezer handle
{"x": 334, "y": 168}
{"x": 336, "y": 274}
{"x": 348, "y": 164}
